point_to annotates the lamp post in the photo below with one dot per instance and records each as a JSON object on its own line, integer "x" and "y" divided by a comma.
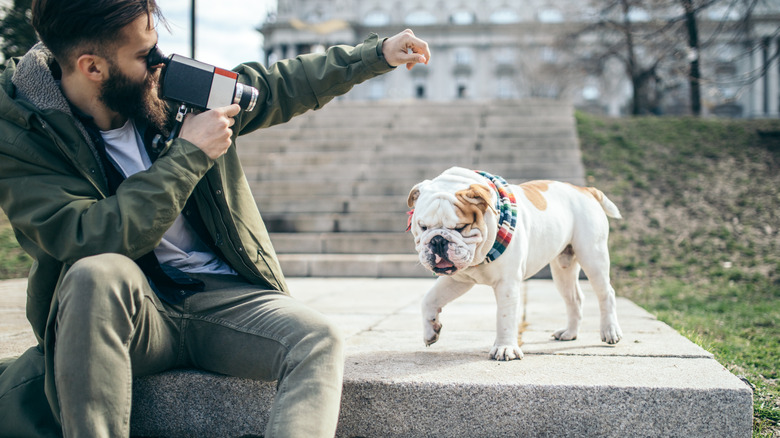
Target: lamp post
{"x": 192, "y": 30}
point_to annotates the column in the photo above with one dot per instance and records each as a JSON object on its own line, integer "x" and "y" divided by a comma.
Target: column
{"x": 757, "y": 87}
{"x": 773, "y": 79}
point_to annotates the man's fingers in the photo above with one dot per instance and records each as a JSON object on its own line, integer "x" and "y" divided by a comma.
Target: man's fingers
{"x": 417, "y": 59}
{"x": 211, "y": 131}
{"x": 406, "y": 48}
{"x": 416, "y": 50}
{"x": 230, "y": 110}
{"x": 412, "y": 57}
{"x": 419, "y": 47}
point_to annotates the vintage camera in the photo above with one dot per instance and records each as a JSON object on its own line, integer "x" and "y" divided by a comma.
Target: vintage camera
{"x": 199, "y": 85}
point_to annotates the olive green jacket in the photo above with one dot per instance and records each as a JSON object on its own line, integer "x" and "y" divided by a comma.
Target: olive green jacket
{"x": 55, "y": 193}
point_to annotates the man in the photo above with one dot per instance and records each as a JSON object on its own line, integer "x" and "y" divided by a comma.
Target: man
{"x": 146, "y": 258}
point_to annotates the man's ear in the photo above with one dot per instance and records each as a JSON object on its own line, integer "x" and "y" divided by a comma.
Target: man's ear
{"x": 478, "y": 195}
{"x": 93, "y": 67}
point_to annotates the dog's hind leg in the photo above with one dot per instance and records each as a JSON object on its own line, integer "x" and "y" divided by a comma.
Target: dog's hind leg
{"x": 565, "y": 272}
{"x": 596, "y": 267}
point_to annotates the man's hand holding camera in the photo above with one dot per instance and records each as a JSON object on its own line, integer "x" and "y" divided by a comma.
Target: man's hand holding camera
{"x": 210, "y": 130}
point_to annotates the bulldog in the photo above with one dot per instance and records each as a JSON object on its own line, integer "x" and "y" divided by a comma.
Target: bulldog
{"x": 471, "y": 227}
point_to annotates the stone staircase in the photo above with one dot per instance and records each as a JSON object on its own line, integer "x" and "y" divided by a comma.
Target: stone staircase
{"x": 332, "y": 184}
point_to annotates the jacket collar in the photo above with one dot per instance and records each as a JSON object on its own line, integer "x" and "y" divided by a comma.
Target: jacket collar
{"x": 35, "y": 82}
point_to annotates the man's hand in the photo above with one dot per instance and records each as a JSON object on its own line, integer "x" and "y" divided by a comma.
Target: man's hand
{"x": 210, "y": 131}
{"x": 405, "y": 48}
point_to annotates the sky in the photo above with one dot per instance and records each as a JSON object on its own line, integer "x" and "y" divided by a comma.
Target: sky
{"x": 225, "y": 30}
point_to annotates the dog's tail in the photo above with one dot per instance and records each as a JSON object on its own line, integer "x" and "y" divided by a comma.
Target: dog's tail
{"x": 609, "y": 207}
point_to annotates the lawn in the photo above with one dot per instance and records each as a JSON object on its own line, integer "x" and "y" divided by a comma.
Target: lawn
{"x": 699, "y": 245}
{"x": 14, "y": 263}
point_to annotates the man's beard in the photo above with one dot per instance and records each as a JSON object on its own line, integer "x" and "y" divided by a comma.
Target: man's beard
{"x": 135, "y": 100}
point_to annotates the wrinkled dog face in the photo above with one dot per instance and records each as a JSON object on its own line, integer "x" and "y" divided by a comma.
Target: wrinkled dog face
{"x": 449, "y": 226}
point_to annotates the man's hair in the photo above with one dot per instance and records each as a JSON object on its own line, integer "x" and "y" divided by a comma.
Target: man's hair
{"x": 71, "y": 28}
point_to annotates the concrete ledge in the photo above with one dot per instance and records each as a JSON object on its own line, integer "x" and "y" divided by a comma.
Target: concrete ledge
{"x": 218, "y": 406}
{"x": 653, "y": 383}
{"x": 532, "y": 411}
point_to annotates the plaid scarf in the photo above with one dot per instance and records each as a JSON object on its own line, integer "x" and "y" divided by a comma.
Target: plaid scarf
{"x": 506, "y": 205}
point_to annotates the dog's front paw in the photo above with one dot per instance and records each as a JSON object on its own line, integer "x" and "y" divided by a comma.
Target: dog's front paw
{"x": 506, "y": 352}
{"x": 565, "y": 335}
{"x": 611, "y": 334}
{"x": 431, "y": 329}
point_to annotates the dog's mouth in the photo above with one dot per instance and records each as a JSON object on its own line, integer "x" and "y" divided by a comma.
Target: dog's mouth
{"x": 443, "y": 266}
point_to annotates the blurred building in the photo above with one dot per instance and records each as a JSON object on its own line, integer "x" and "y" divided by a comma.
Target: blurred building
{"x": 504, "y": 49}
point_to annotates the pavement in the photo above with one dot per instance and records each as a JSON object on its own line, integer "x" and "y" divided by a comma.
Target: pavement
{"x": 655, "y": 382}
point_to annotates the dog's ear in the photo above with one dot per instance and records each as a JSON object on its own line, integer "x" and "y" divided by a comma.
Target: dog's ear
{"x": 478, "y": 195}
{"x": 413, "y": 195}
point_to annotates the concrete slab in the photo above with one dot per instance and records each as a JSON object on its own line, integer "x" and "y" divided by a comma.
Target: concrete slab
{"x": 654, "y": 382}
{"x": 15, "y": 332}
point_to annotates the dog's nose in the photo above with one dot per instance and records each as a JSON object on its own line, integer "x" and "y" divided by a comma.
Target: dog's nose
{"x": 439, "y": 245}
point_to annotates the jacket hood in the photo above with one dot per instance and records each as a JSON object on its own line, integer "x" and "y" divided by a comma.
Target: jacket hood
{"x": 34, "y": 90}
{"x": 35, "y": 83}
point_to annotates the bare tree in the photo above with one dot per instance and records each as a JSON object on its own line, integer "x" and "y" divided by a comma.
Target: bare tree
{"x": 631, "y": 32}
{"x": 691, "y": 11}
{"x": 660, "y": 44}
{"x": 693, "y": 44}
{"x": 16, "y": 32}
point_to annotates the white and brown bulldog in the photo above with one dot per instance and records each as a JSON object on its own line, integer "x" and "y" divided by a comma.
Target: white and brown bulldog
{"x": 471, "y": 227}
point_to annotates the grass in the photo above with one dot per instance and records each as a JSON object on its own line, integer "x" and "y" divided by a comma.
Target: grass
{"x": 14, "y": 263}
{"x": 699, "y": 245}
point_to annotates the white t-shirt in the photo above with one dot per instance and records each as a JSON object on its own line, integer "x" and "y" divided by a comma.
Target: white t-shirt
{"x": 180, "y": 246}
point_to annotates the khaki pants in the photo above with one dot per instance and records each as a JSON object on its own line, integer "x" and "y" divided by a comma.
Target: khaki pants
{"x": 111, "y": 327}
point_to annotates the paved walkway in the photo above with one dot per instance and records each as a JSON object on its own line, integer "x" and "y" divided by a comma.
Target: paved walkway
{"x": 653, "y": 383}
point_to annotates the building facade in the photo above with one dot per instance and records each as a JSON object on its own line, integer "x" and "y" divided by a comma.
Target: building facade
{"x": 505, "y": 49}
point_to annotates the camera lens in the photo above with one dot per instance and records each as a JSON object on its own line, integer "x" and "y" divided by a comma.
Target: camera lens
{"x": 245, "y": 96}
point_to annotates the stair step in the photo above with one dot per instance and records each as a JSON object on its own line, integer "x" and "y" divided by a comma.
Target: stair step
{"x": 256, "y": 149}
{"x": 335, "y": 222}
{"x": 422, "y": 155}
{"x": 331, "y": 204}
{"x": 433, "y": 132}
{"x": 353, "y": 188}
{"x": 414, "y": 173}
{"x": 353, "y": 265}
{"x": 343, "y": 243}
{"x": 405, "y": 265}
{"x": 307, "y": 192}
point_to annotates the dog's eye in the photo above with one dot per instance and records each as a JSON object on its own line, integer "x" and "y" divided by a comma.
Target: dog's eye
{"x": 460, "y": 229}
{"x": 423, "y": 228}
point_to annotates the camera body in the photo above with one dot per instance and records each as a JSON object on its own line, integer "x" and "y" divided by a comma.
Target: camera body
{"x": 200, "y": 85}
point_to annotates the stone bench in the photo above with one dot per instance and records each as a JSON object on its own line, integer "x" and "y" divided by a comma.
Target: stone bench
{"x": 654, "y": 382}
